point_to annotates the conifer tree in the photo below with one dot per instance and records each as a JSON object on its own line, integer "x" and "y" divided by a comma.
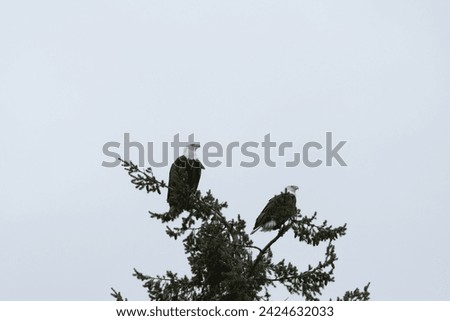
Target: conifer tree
{"x": 225, "y": 264}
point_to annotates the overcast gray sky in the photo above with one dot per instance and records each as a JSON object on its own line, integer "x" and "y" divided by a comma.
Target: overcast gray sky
{"x": 77, "y": 74}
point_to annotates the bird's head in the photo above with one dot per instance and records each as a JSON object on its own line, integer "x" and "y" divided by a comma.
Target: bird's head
{"x": 190, "y": 150}
{"x": 194, "y": 146}
{"x": 291, "y": 189}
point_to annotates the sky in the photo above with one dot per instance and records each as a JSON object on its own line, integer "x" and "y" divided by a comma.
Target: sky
{"x": 75, "y": 75}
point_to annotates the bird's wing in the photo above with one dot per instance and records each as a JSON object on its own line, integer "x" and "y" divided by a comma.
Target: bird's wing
{"x": 177, "y": 177}
{"x": 268, "y": 212}
{"x": 196, "y": 174}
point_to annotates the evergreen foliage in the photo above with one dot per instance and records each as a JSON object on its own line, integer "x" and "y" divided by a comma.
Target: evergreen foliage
{"x": 225, "y": 264}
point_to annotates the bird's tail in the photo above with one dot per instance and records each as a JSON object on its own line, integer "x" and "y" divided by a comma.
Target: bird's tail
{"x": 175, "y": 211}
{"x": 255, "y": 229}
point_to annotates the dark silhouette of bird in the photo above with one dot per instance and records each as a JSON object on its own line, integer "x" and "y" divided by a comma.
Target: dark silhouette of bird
{"x": 184, "y": 177}
{"x": 278, "y": 210}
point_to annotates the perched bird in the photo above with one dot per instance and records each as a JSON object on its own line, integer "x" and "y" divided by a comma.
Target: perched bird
{"x": 277, "y": 211}
{"x": 184, "y": 177}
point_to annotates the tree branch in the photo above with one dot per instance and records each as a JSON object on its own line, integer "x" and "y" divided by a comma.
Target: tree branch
{"x": 281, "y": 232}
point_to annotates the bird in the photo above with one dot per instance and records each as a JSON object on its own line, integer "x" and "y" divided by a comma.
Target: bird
{"x": 278, "y": 210}
{"x": 184, "y": 177}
